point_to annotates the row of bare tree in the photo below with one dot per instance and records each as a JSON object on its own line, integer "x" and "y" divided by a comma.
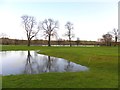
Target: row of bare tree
{"x": 107, "y": 38}
{"x": 48, "y": 25}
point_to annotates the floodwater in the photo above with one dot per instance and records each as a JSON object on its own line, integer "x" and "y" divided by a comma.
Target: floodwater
{"x": 30, "y": 62}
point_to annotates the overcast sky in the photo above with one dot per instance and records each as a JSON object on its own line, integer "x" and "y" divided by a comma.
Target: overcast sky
{"x": 91, "y": 18}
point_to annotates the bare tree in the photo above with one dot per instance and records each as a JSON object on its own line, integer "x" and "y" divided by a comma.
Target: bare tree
{"x": 29, "y": 24}
{"x": 115, "y": 33}
{"x": 70, "y": 35}
{"x": 49, "y": 26}
{"x": 107, "y": 39}
{"x": 118, "y": 35}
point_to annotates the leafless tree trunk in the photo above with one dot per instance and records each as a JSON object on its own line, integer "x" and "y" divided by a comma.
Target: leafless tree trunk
{"x": 69, "y": 26}
{"x": 49, "y": 26}
{"x": 115, "y": 32}
{"x": 29, "y": 24}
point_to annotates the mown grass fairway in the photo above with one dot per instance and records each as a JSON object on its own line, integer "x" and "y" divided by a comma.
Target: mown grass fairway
{"x": 102, "y": 62}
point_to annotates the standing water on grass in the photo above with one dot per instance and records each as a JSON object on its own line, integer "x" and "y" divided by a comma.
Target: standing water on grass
{"x": 30, "y": 62}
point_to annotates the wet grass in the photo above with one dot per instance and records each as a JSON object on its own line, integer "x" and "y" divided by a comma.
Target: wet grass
{"x": 102, "y": 62}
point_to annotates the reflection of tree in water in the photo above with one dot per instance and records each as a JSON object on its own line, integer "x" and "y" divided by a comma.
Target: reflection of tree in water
{"x": 36, "y": 65}
{"x": 28, "y": 66}
{"x": 69, "y": 66}
{"x": 50, "y": 65}
{"x": 39, "y": 63}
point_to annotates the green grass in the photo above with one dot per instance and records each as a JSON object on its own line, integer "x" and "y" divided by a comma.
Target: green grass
{"x": 102, "y": 62}
{"x": 0, "y": 82}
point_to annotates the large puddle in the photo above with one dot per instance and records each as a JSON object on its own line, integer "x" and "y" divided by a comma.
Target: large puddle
{"x": 30, "y": 62}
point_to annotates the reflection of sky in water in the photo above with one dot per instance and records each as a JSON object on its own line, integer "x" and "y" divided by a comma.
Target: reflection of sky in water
{"x": 29, "y": 62}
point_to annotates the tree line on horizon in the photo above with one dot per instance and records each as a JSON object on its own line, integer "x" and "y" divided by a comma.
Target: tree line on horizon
{"x": 59, "y": 42}
{"x": 50, "y": 27}
{"x": 108, "y": 37}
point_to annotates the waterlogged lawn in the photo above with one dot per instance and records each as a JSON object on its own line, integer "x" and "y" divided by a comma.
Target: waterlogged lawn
{"x": 101, "y": 61}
